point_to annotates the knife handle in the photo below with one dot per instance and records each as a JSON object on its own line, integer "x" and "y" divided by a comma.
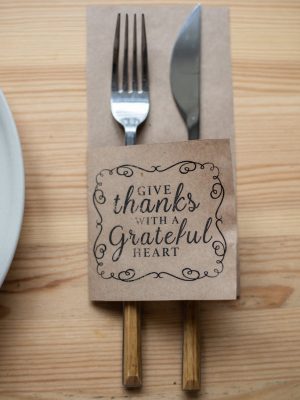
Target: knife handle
{"x": 191, "y": 347}
{"x": 132, "y": 357}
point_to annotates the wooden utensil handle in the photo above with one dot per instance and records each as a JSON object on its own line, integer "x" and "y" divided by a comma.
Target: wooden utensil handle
{"x": 132, "y": 359}
{"x": 191, "y": 347}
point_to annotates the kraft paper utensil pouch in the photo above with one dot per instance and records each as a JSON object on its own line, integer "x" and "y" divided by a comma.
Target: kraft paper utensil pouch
{"x": 162, "y": 214}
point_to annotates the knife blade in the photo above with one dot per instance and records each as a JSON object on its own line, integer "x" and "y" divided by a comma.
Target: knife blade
{"x": 185, "y": 72}
{"x": 185, "y": 85}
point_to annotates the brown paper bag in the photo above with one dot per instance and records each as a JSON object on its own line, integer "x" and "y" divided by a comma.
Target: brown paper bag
{"x": 164, "y": 123}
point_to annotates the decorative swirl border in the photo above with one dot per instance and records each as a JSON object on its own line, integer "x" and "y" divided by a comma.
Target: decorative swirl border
{"x": 187, "y": 273}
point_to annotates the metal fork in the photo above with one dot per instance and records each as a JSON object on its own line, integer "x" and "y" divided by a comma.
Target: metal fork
{"x": 130, "y": 107}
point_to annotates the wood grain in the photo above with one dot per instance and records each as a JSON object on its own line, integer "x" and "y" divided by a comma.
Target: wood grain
{"x": 55, "y": 344}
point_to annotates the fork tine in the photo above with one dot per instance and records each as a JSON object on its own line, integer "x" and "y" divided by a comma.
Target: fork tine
{"x": 134, "y": 58}
{"x": 126, "y": 60}
{"x": 145, "y": 86}
{"x": 115, "y": 63}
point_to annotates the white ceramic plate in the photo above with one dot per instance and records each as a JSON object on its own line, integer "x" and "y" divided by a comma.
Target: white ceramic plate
{"x": 12, "y": 187}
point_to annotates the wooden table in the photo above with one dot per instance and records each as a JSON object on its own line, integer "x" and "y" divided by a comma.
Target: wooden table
{"x": 55, "y": 344}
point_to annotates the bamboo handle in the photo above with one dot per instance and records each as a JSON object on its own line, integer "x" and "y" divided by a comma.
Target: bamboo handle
{"x": 191, "y": 347}
{"x": 132, "y": 359}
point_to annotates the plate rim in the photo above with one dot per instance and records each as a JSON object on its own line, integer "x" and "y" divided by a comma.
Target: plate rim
{"x": 14, "y": 138}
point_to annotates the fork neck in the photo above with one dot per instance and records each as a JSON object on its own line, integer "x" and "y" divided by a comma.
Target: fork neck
{"x": 130, "y": 136}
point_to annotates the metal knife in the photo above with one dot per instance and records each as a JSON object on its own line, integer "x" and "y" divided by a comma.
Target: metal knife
{"x": 185, "y": 84}
{"x": 185, "y": 72}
